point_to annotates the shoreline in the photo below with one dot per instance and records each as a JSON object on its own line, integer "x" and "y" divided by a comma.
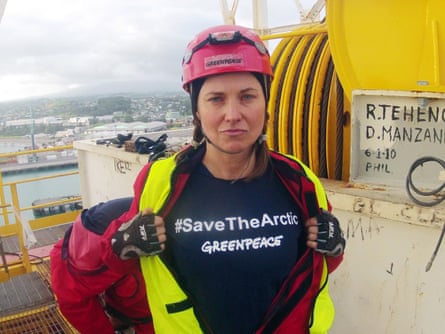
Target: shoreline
{"x": 20, "y": 140}
{"x": 18, "y": 144}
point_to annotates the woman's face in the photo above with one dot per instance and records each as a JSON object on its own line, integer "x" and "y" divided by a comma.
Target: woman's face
{"x": 232, "y": 111}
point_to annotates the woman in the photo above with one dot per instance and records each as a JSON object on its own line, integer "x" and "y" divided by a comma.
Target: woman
{"x": 233, "y": 238}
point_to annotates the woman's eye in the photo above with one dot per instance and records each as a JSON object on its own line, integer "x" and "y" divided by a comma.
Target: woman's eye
{"x": 215, "y": 99}
{"x": 247, "y": 97}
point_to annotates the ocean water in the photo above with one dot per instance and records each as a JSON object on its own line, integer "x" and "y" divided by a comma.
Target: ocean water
{"x": 31, "y": 191}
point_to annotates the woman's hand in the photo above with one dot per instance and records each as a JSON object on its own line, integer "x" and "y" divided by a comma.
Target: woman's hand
{"x": 312, "y": 232}
{"x": 325, "y": 235}
{"x": 144, "y": 235}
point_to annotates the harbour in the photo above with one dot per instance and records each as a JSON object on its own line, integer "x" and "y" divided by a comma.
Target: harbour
{"x": 34, "y": 182}
{"x": 28, "y": 230}
{"x": 19, "y": 168}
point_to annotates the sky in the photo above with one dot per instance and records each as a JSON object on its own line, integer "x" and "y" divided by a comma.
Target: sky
{"x": 86, "y": 47}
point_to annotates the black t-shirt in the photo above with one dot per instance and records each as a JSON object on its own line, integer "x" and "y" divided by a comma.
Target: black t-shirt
{"x": 232, "y": 245}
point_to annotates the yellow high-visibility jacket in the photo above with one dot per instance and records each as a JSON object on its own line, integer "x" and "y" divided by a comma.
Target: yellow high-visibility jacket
{"x": 303, "y": 304}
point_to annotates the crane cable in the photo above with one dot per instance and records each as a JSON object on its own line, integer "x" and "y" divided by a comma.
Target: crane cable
{"x": 410, "y": 188}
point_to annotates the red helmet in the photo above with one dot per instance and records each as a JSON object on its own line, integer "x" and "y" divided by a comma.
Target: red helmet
{"x": 223, "y": 49}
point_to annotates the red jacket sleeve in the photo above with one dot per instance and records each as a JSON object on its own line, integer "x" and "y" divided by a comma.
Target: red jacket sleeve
{"x": 333, "y": 262}
{"x": 111, "y": 260}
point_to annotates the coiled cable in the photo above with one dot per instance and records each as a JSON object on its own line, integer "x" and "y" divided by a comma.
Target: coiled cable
{"x": 410, "y": 187}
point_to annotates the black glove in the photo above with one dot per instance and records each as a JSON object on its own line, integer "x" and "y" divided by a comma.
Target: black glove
{"x": 330, "y": 240}
{"x": 136, "y": 238}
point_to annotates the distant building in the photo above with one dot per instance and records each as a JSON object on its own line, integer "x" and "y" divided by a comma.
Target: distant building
{"x": 85, "y": 121}
{"x": 106, "y": 118}
{"x": 173, "y": 116}
{"x": 136, "y": 128}
{"x": 51, "y": 120}
{"x": 37, "y": 121}
{"x": 22, "y": 122}
{"x": 66, "y": 133}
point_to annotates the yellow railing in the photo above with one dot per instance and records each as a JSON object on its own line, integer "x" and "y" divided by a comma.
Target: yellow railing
{"x": 14, "y": 225}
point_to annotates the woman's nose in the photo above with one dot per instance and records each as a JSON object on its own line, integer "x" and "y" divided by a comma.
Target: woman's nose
{"x": 233, "y": 111}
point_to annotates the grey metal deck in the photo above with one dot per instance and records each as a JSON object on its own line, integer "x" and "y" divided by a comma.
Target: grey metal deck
{"x": 45, "y": 237}
{"x": 24, "y": 292}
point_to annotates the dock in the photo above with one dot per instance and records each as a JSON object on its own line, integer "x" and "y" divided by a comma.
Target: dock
{"x": 61, "y": 162}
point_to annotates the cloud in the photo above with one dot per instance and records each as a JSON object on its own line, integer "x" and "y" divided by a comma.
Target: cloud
{"x": 89, "y": 46}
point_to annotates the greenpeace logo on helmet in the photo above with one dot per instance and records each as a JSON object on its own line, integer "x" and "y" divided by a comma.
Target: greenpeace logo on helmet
{"x": 223, "y": 60}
